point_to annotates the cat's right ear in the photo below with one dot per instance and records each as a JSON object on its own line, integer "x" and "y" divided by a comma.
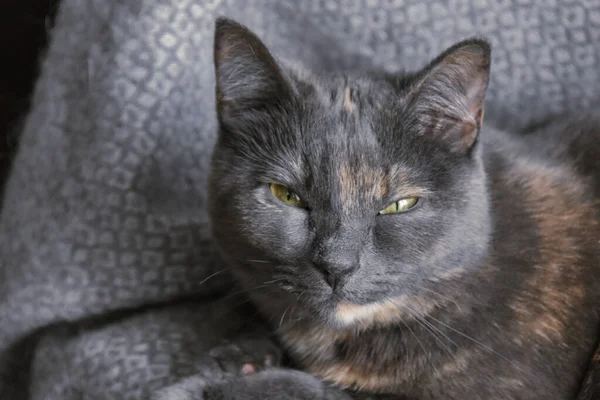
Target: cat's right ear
{"x": 247, "y": 75}
{"x": 448, "y": 95}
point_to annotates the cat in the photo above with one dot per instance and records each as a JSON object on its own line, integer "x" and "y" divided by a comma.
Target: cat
{"x": 398, "y": 247}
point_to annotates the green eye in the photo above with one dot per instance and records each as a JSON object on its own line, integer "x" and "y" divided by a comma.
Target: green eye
{"x": 400, "y": 206}
{"x": 284, "y": 194}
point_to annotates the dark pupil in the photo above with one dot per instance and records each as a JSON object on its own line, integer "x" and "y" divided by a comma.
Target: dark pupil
{"x": 288, "y": 195}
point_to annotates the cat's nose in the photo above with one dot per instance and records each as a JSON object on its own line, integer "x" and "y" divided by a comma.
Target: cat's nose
{"x": 336, "y": 274}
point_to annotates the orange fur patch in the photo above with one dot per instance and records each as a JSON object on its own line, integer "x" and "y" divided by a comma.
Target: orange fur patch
{"x": 363, "y": 183}
{"x": 558, "y": 206}
{"x": 383, "y": 313}
{"x": 349, "y": 104}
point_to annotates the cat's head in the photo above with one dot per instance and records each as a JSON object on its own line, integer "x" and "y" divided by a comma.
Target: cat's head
{"x": 348, "y": 199}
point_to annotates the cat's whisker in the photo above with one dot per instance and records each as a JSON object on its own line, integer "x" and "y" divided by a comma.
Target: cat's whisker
{"x": 213, "y": 275}
{"x": 298, "y": 301}
{"x": 507, "y": 288}
{"x": 440, "y": 283}
{"x": 435, "y": 332}
{"x": 447, "y": 299}
{"x": 274, "y": 280}
{"x": 246, "y": 301}
{"x": 291, "y": 312}
{"x": 427, "y": 354}
{"x": 441, "y": 296}
{"x": 482, "y": 345}
{"x": 245, "y": 291}
{"x": 401, "y": 272}
{"x": 434, "y": 328}
{"x": 259, "y": 261}
{"x": 435, "y": 336}
{"x": 283, "y": 316}
{"x": 293, "y": 308}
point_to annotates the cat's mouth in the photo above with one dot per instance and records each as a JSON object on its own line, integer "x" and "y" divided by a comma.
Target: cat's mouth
{"x": 385, "y": 312}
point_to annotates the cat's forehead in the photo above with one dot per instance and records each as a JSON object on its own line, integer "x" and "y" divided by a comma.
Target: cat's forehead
{"x": 348, "y": 117}
{"x": 343, "y": 138}
{"x": 353, "y": 96}
{"x": 349, "y": 145}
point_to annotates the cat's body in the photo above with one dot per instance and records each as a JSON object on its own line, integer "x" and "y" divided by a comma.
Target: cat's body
{"x": 486, "y": 287}
{"x": 525, "y": 316}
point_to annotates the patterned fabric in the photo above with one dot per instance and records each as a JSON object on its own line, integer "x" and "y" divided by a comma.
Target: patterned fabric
{"x": 105, "y": 210}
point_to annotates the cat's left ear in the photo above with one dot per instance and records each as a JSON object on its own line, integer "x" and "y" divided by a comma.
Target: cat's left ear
{"x": 448, "y": 96}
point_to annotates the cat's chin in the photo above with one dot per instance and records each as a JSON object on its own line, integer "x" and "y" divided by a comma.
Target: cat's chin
{"x": 342, "y": 309}
{"x": 384, "y": 312}
{"x": 341, "y": 314}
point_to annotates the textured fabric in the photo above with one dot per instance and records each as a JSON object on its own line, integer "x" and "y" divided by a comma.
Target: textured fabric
{"x": 105, "y": 209}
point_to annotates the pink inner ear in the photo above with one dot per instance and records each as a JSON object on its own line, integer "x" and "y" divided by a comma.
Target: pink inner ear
{"x": 475, "y": 94}
{"x": 458, "y": 134}
{"x": 450, "y": 96}
{"x": 479, "y": 118}
{"x": 467, "y": 69}
{"x": 463, "y": 133}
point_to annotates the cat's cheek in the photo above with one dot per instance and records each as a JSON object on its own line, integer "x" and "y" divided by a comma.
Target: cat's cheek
{"x": 406, "y": 231}
{"x": 282, "y": 235}
{"x": 405, "y": 239}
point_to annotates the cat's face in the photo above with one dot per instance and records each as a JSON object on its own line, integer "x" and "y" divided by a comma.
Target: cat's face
{"x": 345, "y": 199}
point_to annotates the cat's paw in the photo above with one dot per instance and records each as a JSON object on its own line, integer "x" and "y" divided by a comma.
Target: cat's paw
{"x": 233, "y": 359}
{"x": 190, "y": 388}
{"x": 246, "y": 355}
{"x": 274, "y": 384}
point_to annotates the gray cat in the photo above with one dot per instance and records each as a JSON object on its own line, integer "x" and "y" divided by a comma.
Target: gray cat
{"x": 396, "y": 247}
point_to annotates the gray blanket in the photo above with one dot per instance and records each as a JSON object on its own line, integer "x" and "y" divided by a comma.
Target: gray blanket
{"x": 108, "y": 281}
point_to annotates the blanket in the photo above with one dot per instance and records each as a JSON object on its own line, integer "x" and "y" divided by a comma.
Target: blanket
{"x": 109, "y": 285}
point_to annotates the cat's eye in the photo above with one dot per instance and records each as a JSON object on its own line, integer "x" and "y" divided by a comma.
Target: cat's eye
{"x": 286, "y": 195}
{"x": 400, "y": 206}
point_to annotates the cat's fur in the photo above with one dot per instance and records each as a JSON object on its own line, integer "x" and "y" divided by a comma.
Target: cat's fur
{"x": 487, "y": 289}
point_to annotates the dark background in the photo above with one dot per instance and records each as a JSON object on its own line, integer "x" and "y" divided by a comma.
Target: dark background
{"x": 23, "y": 36}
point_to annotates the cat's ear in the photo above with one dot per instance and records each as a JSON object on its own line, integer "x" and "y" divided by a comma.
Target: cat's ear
{"x": 247, "y": 75}
{"x": 448, "y": 95}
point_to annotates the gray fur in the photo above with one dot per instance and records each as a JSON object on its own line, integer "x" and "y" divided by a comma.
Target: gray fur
{"x": 405, "y": 304}
{"x": 105, "y": 209}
